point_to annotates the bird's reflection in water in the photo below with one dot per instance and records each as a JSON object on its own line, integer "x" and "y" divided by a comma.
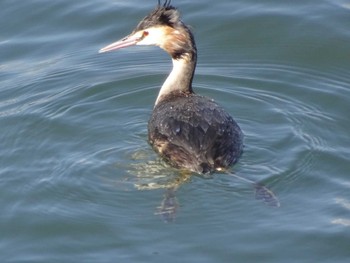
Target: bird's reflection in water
{"x": 156, "y": 174}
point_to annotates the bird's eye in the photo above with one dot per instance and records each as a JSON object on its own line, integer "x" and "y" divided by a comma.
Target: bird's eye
{"x": 145, "y": 33}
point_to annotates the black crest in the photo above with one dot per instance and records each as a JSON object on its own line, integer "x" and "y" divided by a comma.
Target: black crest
{"x": 162, "y": 15}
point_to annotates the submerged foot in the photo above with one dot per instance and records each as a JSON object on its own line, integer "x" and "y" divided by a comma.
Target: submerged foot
{"x": 168, "y": 207}
{"x": 266, "y": 195}
{"x": 261, "y": 192}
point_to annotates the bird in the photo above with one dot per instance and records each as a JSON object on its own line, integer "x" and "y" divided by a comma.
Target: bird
{"x": 189, "y": 131}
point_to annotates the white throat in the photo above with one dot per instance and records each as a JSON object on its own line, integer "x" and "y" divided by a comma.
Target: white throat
{"x": 179, "y": 79}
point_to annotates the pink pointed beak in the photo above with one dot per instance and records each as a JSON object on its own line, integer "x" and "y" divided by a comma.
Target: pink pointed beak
{"x": 124, "y": 42}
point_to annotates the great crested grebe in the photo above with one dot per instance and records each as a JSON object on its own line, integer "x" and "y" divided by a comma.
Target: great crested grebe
{"x": 189, "y": 131}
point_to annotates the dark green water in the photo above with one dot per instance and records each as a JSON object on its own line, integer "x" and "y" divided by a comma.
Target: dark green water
{"x": 74, "y": 150}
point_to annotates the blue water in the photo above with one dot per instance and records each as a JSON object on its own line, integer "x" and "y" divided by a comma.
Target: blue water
{"x": 79, "y": 182}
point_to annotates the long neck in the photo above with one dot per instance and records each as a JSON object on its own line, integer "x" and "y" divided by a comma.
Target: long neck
{"x": 180, "y": 78}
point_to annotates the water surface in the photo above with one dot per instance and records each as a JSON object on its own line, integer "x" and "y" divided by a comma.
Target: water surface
{"x": 75, "y": 163}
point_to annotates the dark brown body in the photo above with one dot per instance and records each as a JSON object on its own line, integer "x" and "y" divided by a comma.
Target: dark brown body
{"x": 192, "y": 132}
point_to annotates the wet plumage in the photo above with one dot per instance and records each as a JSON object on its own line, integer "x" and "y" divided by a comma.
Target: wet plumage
{"x": 192, "y": 132}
